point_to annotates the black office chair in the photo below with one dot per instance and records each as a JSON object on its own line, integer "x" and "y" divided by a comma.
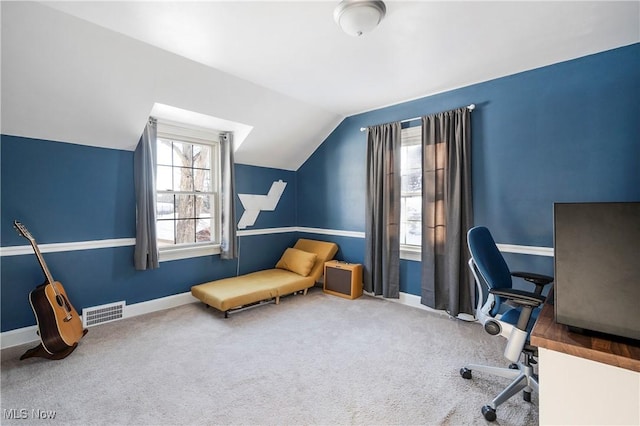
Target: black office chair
{"x": 490, "y": 269}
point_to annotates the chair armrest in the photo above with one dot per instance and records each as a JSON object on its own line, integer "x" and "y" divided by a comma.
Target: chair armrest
{"x": 537, "y": 279}
{"x": 519, "y": 297}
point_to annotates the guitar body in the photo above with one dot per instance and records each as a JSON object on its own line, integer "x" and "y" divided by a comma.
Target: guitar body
{"x": 59, "y": 324}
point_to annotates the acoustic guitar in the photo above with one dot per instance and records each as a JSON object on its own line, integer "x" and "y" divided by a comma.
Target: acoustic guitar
{"x": 59, "y": 325}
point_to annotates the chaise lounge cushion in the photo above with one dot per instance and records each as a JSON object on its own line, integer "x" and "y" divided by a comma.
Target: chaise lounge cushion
{"x": 230, "y": 293}
{"x": 324, "y": 251}
{"x": 298, "y": 261}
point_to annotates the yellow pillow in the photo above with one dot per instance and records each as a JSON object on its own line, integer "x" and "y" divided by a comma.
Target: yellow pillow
{"x": 298, "y": 261}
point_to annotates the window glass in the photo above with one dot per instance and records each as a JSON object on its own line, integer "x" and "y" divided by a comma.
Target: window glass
{"x": 411, "y": 187}
{"x": 186, "y": 192}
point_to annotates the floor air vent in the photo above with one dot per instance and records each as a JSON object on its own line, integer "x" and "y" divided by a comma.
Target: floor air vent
{"x": 103, "y": 313}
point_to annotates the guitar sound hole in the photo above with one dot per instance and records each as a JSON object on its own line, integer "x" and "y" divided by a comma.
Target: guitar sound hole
{"x": 62, "y": 302}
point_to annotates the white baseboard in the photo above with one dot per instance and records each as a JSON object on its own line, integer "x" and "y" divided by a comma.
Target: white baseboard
{"x": 159, "y": 304}
{"x": 24, "y": 335}
{"x": 414, "y": 301}
{"x": 19, "y": 336}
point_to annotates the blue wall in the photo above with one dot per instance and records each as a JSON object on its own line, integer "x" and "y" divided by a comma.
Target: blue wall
{"x": 566, "y": 132}
{"x": 263, "y": 251}
{"x": 65, "y": 192}
{"x": 258, "y": 180}
{"x": 70, "y": 193}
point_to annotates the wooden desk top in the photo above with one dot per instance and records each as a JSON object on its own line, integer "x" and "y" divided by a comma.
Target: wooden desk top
{"x": 548, "y": 334}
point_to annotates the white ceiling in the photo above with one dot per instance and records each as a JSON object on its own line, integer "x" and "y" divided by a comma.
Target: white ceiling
{"x": 91, "y": 72}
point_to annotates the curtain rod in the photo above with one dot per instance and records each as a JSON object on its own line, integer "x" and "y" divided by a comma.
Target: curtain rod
{"x": 469, "y": 107}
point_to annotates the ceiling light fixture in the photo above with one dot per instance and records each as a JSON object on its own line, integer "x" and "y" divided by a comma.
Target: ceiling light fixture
{"x": 357, "y": 17}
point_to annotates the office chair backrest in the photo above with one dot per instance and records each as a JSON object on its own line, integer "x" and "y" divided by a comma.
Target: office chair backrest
{"x": 489, "y": 261}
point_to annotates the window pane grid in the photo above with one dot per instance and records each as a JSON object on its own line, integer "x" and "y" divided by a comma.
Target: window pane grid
{"x": 185, "y": 195}
{"x": 411, "y": 187}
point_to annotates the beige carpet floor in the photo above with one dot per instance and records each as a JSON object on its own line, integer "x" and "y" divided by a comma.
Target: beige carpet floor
{"x": 311, "y": 360}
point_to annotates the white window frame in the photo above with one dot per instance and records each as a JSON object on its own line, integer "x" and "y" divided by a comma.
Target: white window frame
{"x": 410, "y": 136}
{"x": 189, "y": 134}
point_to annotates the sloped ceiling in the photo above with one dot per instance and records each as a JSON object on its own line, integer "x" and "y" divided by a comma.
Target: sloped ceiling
{"x": 91, "y": 72}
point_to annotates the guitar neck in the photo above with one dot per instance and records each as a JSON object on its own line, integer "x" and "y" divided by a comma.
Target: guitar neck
{"x": 43, "y": 265}
{"x": 22, "y": 230}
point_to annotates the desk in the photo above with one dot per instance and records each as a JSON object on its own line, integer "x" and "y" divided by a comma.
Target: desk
{"x": 584, "y": 380}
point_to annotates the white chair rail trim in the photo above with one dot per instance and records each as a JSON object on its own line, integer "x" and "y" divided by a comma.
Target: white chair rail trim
{"x": 71, "y": 246}
{"x": 408, "y": 253}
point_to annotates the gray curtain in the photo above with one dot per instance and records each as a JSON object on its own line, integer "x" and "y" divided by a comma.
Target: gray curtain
{"x": 446, "y": 211}
{"x": 145, "y": 255}
{"x": 382, "y": 210}
{"x": 228, "y": 241}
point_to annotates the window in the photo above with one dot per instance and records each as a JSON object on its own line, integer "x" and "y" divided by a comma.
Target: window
{"x": 411, "y": 188}
{"x": 187, "y": 186}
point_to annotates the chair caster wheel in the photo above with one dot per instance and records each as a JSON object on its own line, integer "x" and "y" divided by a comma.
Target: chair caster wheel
{"x": 465, "y": 373}
{"x": 513, "y": 366}
{"x": 526, "y": 396}
{"x": 489, "y": 413}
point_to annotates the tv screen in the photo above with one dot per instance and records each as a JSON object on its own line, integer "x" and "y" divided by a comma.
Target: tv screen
{"x": 597, "y": 267}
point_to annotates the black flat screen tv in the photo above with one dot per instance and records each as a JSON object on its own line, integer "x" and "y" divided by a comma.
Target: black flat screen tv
{"x": 597, "y": 268}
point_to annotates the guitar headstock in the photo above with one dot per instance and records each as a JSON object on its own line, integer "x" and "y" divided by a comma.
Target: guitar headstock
{"x": 22, "y": 230}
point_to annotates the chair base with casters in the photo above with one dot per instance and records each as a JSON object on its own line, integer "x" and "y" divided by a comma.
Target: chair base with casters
{"x": 522, "y": 376}
{"x": 489, "y": 268}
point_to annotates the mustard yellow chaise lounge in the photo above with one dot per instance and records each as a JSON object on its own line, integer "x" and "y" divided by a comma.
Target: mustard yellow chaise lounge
{"x": 298, "y": 269}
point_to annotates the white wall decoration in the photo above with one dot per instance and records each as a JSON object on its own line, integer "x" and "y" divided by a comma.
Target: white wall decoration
{"x": 254, "y": 204}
